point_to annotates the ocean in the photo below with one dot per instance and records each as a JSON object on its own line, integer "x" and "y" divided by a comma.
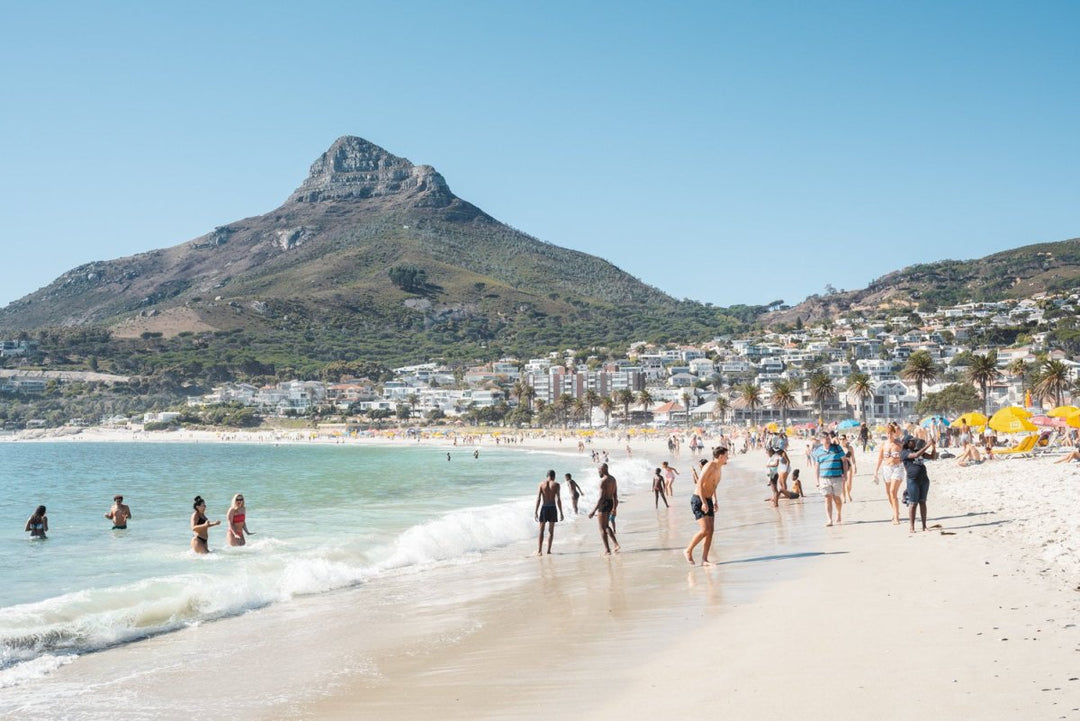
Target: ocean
{"x": 323, "y": 517}
{"x": 364, "y": 561}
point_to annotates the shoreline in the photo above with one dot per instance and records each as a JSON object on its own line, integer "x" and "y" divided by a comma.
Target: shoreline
{"x": 900, "y": 623}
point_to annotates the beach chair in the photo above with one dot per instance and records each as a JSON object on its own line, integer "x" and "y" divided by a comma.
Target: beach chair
{"x": 1025, "y": 448}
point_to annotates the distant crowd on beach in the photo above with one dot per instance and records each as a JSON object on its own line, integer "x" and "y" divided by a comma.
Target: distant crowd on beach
{"x": 902, "y": 452}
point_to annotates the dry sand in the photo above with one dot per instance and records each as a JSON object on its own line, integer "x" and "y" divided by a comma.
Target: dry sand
{"x": 976, "y": 618}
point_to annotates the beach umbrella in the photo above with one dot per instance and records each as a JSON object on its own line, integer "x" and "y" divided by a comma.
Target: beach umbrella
{"x": 849, "y": 423}
{"x": 1016, "y": 411}
{"x": 772, "y": 427}
{"x": 929, "y": 421}
{"x": 974, "y": 418}
{"x": 1063, "y": 411}
{"x": 1047, "y": 421}
{"x": 1007, "y": 420}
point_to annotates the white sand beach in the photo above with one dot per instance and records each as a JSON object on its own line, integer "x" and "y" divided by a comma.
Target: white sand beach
{"x": 975, "y": 618}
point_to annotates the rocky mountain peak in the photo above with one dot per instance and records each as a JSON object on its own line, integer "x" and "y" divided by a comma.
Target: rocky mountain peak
{"x": 354, "y": 168}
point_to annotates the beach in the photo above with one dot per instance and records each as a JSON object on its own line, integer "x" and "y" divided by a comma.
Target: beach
{"x": 976, "y": 616}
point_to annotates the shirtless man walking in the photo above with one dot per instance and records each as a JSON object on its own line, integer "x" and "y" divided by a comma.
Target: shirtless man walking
{"x": 549, "y": 494}
{"x": 702, "y": 504}
{"x": 606, "y": 506}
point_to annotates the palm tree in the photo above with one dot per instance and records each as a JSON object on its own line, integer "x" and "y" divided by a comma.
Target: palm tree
{"x": 686, "y": 403}
{"x": 626, "y": 397}
{"x": 860, "y": 389}
{"x": 562, "y": 406}
{"x": 577, "y": 409}
{"x": 1052, "y": 381}
{"x": 750, "y": 398}
{"x": 783, "y": 397}
{"x": 721, "y": 408}
{"x": 592, "y": 399}
{"x": 607, "y": 405}
{"x": 1019, "y": 369}
{"x": 982, "y": 372}
{"x": 920, "y": 367}
{"x": 528, "y": 393}
{"x": 645, "y": 399}
{"x": 821, "y": 390}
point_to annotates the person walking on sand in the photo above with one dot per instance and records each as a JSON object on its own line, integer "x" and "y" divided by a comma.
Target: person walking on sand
{"x": 119, "y": 514}
{"x": 200, "y": 527}
{"x": 237, "y": 518}
{"x": 549, "y": 495}
{"x": 849, "y": 471}
{"x": 831, "y": 464}
{"x": 606, "y": 506}
{"x": 669, "y": 478}
{"x": 658, "y": 489}
{"x": 918, "y": 482}
{"x": 38, "y": 524}
{"x": 575, "y": 491}
{"x": 703, "y": 507}
{"x": 891, "y": 469}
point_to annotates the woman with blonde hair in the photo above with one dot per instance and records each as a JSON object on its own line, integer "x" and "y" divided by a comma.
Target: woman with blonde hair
{"x": 237, "y": 517}
{"x": 889, "y": 458}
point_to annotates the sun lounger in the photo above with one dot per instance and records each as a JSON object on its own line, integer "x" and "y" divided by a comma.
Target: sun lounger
{"x": 1025, "y": 448}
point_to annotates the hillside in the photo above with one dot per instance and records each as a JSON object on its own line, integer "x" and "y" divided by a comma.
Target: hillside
{"x": 1018, "y": 273}
{"x": 315, "y": 275}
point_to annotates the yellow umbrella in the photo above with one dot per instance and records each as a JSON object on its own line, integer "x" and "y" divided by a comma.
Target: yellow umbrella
{"x": 974, "y": 418}
{"x": 1016, "y": 411}
{"x": 772, "y": 427}
{"x": 1008, "y": 421}
{"x": 1063, "y": 411}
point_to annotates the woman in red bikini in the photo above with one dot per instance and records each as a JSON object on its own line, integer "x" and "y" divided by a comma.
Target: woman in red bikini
{"x": 237, "y": 517}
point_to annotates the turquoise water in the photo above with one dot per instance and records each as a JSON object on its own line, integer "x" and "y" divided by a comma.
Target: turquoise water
{"x": 324, "y": 517}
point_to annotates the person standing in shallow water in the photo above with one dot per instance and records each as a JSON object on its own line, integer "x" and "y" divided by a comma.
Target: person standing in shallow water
{"x": 606, "y": 506}
{"x": 704, "y": 508}
{"x": 119, "y": 514}
{"x": 575, "y": 491}
{"x": 200, "y": 527}
{"x": 38, "y": 523}
{"x": 550, "y": 496}
{"x": 237, "y": 518}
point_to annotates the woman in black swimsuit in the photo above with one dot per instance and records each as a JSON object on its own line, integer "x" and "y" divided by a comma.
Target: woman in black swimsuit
{"x": 200, "y": 542}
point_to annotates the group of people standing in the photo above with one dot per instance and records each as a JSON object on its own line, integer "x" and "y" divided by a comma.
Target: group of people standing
{"x": 548, "y": 509}
{"x": 120, "y": 513}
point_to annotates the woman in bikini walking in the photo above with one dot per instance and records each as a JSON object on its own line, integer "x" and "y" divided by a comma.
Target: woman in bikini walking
{"x": 889, "y": 459}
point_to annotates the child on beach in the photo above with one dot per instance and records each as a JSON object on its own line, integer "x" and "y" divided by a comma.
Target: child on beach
{"x": 658, "y": 489}
{"x": 575, "y": 491}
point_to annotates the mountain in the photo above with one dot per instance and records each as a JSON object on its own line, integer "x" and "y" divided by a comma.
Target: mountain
{"x": 1018, "y": 273}
{"x": 372, "y": 257}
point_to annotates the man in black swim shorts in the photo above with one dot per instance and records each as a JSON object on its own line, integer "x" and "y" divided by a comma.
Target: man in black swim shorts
{"x": 606, "y": 506}
{"x": 549, "y": 495}
{"x": 701, "y": 503}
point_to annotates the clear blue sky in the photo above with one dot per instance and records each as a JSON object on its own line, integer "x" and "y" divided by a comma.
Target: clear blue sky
{"x": 728, "y": 152}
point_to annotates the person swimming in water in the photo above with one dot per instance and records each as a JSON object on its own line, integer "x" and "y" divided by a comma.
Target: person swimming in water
{"x": 38, "y": 523}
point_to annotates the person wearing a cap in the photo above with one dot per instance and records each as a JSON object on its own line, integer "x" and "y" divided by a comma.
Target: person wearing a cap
{"x": 832, "y": 464}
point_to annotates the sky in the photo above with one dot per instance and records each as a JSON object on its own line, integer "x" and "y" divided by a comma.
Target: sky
{"x": 727, "y": 152}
